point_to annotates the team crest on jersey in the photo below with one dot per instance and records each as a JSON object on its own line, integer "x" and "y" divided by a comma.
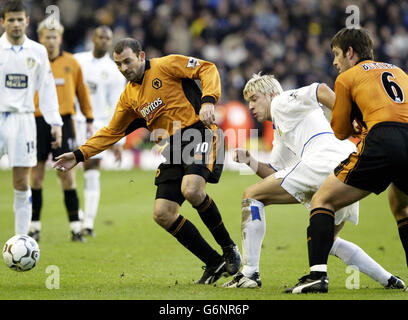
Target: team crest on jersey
{"x": 193, "y": 63}
{"x": 67, "y": 69}
{"x": 156, "y": 83}
{"x": 30, "y": 63}
{"x": 104, "y": 75}
{"x": 149, "y": 109}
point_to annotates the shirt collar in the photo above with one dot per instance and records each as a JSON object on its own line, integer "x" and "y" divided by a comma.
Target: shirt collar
{"x": 61, "y": 52}
{"x": 147, "y": 66}
{"x": 8, "y": 45}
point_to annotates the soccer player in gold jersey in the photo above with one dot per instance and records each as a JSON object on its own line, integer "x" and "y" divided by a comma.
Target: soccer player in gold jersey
{"x": 162, "y": 95}
{"x": 373, "y": 95}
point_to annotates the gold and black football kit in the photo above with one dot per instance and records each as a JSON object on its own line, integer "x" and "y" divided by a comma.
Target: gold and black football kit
{"x": 375, "y": 95}
{"x": 167, "y": 101}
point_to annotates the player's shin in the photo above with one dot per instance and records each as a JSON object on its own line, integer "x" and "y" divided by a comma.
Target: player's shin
{"x": 36, "y": 209}
{"x": 320, "y": 240}
{"x": 22, "y": 211}
{"x": 353, "y": 255}
{"x": 187, "y": 234}
{"x": 72, "y": 205}
{"x": 253, "y": 229}
{"x": 211, "y": 217}
{"x": 91, "y": 197}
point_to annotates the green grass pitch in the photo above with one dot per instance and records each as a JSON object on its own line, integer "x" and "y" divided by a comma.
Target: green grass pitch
{"x": 133, "y": 258}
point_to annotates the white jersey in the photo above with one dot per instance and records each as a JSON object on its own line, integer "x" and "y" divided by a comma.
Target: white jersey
{"x": 305, "y": 150}
{"x": 299, "y": 122}
{"x": 105, "y": 84}
{"x": 24, "y": 69}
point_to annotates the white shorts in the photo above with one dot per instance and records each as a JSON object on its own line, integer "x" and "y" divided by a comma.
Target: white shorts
{"x": 81, "y": 135}
{"x": 303, "y": 179}
{"x": 18, "y": 138}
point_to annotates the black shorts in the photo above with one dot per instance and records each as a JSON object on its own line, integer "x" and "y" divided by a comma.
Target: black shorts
{"x": 44, "y": 138}
{"x": 201, "y": 152}
{"x": 381, "y": 159}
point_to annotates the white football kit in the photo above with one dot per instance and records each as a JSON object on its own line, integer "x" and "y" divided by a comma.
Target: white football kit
{"x": 24, "y": 69}
{"x": 302, "y": 133}
{"x": 105, "y": 84}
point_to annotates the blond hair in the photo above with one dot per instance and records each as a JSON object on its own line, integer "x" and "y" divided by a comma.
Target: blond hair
{"x": 265, "y": 84}
{"x": 50, "y": 24}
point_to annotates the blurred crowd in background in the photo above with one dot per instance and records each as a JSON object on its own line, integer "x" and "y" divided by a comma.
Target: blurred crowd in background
{"x": 288, "y": 38}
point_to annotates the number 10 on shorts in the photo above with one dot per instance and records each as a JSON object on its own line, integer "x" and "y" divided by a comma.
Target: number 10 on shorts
{"x": 202, "y": 147}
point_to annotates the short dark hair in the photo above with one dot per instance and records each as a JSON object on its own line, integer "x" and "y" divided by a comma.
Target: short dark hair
{"x": 358, "y": 39}
{"x": 13, "y": 6}
{"x": 128, "y": 43}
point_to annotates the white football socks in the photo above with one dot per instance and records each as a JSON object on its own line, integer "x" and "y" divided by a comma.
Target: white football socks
{"x": 75, "y": 226}
{"x": 92, "y": 194}
{"x": 35, "y": 226}
{"x": 22, "y": 211}
{"x": 352, "y": 254}
{"x": 253, "y": 230}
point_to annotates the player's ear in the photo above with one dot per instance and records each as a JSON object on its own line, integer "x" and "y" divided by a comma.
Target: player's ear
{"x": 350, "y": 52}
{"x": 27, "y": 21}
{"x": 142, "y": 55}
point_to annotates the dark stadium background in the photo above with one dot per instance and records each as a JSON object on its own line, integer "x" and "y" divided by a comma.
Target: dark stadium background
{"x": 288, "y": 38}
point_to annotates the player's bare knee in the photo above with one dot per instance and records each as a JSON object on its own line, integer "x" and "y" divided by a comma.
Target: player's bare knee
{"x": 193, "y": 194}
{"x": 21, "y": 184}
{"x": 249, "y": 193}
{"x": 317, "y": 201}
{"x": 67, "y": 180}
{"x": 37, "y": 180}
{"x": 399, "y": 211}
{"x": 164, "y": 218}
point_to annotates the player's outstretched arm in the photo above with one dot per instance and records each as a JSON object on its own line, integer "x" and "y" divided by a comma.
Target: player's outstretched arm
{"x": 325, "y": 95}
{"x": 65, "y": 162}
{"x": 262, "y": 169}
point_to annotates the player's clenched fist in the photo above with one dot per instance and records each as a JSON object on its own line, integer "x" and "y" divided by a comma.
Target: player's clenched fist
{"x": 207, "y": 115}
{"x": 241, "y": 156}
{"x": 65, "y": 162}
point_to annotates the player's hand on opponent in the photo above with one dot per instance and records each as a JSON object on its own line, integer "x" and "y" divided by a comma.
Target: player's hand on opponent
{"x": 357, "y": 128}
{"x": 241, "y": 156}
{"x": 56, "y": 133}
{"x": 65, "y": 162}
{"x": 207, "y": 115}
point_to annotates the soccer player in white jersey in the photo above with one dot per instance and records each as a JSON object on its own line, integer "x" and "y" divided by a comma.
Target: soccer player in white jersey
{"x": 106, "y": 85}
{"x": 304, "y": 153}
{"x": 24, "y": 68}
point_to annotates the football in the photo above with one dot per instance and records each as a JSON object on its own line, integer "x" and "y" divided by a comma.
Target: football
{"x": 21, "y": 253}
